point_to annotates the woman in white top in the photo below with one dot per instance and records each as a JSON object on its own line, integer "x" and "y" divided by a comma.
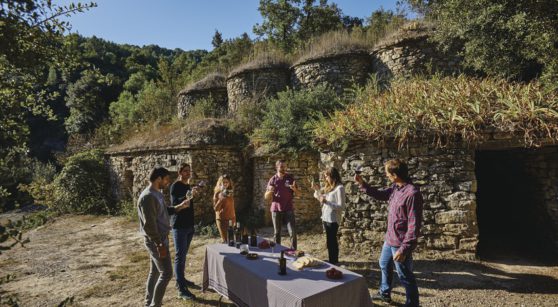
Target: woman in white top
{"x": 333, "y": 201}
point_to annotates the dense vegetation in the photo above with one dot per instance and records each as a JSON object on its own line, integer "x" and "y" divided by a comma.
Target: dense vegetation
{"x": 97, "y": 93}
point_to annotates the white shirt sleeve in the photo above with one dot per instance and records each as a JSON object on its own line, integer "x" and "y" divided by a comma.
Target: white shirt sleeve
{"x": 337, "y": 199}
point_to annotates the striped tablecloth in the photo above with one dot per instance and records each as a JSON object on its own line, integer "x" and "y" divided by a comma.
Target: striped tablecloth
{"x": 255, "y": 283}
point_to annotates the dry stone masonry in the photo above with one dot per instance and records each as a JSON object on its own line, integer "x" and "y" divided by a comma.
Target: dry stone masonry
{"x": 130, "y": 172}
{"x": 410, "y": 53}
{"x": 447, "y": 182}
{"x": 339, "y": 71}
{"x": 304, "y": 165}
{"x": 256, "y": 84}
{"x": 212, "y": 87}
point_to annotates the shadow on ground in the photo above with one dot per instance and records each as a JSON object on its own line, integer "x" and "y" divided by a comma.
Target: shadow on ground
{"x": 456, "y": 274}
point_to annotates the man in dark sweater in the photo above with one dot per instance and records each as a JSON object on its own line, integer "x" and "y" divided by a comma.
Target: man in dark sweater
{"x": 403, "y": 229}
{"x": 182, "y": 223}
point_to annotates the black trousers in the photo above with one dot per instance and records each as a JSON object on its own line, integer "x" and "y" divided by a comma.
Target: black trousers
{"x": 332, "y": 244}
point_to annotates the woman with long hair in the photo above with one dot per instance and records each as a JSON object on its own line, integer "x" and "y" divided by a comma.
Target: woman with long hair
{"x": 332, "y": 198}
{"x": 223, "y": 204}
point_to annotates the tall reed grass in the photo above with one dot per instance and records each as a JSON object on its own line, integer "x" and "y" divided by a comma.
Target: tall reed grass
{"x": 443, "y": 109}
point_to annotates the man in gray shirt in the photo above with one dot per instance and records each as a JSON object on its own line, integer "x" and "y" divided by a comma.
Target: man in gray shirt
{"x": 155, "y": 227}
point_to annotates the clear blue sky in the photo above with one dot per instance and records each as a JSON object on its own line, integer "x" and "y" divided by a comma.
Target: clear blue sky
{"x": 185, "y": 24}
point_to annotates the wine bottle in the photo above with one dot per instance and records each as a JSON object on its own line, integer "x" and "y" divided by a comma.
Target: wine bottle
{"x": 238, "y": 235}
{"x": 230, "y": 234}
{"x": 244, "y": 236}
{"x": 253, "y": 238}
{"x": 282, "y": 264}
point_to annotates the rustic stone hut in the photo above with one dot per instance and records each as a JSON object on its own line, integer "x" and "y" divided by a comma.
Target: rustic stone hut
{"x": 210, "y": 149}
{"x": 212, "y": 87}
{"x": 493, "y": 196}
{"x": 337, "y": 68}
{"x": 408, "y": 51}
{"x": 257, "y": 80}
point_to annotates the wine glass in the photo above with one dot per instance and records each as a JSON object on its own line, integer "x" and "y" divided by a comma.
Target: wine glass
{"x": 287, "y": 184}
{"x": 358, "y": 169}
{"x": 272, "y": 244}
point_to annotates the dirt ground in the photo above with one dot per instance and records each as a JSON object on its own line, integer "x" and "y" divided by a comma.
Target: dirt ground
{"x": 100, "y": 261}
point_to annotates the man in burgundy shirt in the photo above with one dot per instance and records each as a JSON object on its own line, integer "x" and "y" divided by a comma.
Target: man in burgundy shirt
{"x": 281, "y": 190}
{"x": 403, "y": 226}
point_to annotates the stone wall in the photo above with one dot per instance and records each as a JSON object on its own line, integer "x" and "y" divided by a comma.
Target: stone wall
{"x": 447, "y": 182}
{"x": 412, "y": 55}
{"x": 130, "y": 172}
{"x": 255, "y": 84}
{"x": 307, "y": 209}
{"x": 188, "y": 99}
{"x": 339, "y": 71}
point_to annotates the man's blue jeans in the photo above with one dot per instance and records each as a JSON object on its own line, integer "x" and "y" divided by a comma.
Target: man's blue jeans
{"x": 182, "y": 239}
{"x": 404, "y": 271}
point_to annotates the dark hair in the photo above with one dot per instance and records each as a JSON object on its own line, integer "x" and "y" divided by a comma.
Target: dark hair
{"x": 182, "y": 166}
{"x": 158, "y": 172}
{"x": 279, "y": 162}
{"x": 399, "y": 168}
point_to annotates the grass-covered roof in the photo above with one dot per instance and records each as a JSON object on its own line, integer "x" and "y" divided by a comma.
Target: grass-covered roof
{"x": 211, "y": 81}
{"x": 180, "y": 134}
{"x": 445, "y": 109}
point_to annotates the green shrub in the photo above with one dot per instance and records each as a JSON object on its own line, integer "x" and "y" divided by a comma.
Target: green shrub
{"x": 206, "y": 108}
{"x": 285, "y": 126}
{"x": 83, "y": 185}
{"x": 209, "y": 230}
{"x": 247, "y": 117}
{"x": 128, "y": 209}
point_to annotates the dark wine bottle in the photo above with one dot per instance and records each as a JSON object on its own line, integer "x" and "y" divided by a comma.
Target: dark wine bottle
{"x": 253, "y": 238}
{"x": 238, "y": 235}
{"x": 244, "y": 236}
{"x": 230, "y": 234}
{"x": 282, "y": 264}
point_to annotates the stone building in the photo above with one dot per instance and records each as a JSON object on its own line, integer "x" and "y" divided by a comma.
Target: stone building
{"x": 212, "y": 87}
{"x": 477, "y": 199}
{"x": 409, "y": 52}
{"x": 341, "y": 70}
{"x": 211, "y": 152}
{"x": 257, "y": 80}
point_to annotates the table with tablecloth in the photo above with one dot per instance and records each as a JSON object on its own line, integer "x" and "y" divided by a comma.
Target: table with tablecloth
{"x": 256, "y": 283}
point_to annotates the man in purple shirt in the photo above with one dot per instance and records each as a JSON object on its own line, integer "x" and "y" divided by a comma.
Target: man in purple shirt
{"x": 281, "y": 190}
{"x": 403, "y": 228}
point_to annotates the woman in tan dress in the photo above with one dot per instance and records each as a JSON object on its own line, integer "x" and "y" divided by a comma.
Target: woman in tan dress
{"x": 223, "y": 204}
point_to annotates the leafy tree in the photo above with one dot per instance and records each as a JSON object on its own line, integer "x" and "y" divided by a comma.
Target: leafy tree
{"x": 511, "y": 39}
{"x": 381, "y": 20}
{"x": 87, "y": 106}
{"x": 318, "y": 19}
{"x": 280, "y": 22}
{"x": 350, "y": 22}
{"x": 30, "y": 43}
{"x": 217, "y": 39}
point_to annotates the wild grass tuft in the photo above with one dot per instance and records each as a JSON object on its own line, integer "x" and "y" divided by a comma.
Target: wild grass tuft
{"x": 442, "y": 109}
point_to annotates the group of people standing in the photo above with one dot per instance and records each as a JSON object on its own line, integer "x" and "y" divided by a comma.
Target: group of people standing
{"x": 404, "y": 222}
